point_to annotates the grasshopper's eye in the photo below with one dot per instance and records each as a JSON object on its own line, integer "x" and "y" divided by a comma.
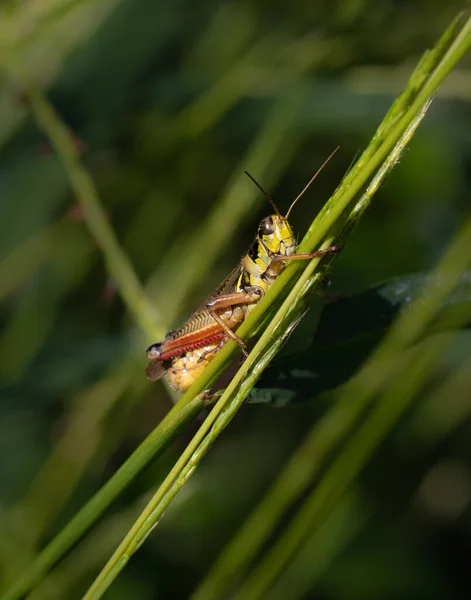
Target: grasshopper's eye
{"x": 266, "y": 227}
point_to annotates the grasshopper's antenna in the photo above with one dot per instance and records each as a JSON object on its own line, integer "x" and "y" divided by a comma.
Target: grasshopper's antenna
{"x": 311, "y": 180}
{"x": 267, "y": 196}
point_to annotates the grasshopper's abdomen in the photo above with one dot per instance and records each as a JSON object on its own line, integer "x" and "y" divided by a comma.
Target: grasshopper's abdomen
{"x": 185, "y": 369}
{"x": 186, "y": 352}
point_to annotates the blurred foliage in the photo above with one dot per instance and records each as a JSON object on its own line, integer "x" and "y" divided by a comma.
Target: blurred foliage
{"x": 348, "y": 330}
{"x": 167, "y": 104}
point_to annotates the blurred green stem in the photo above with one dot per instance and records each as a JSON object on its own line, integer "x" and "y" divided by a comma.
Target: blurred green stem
{"x": 447, "y": 407}
{"x": 120, "y": 269}
{"x": 353, "y": 400}
{"x": 318, "y": 554}
{"x": 344, "y": 469}
{"x": 53, "y": 485}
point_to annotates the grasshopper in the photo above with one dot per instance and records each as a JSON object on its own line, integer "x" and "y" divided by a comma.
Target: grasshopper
{"x": 186, "y": 352}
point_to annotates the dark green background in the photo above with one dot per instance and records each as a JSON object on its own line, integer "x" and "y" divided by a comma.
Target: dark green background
{"x": 122, "y": 88}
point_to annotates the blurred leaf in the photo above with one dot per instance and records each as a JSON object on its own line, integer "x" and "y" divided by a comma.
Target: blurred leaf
{"x": 348, "y": 330}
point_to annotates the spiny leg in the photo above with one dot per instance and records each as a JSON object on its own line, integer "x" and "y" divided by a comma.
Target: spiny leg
{"x": 213, "y": 350}
{"x": 249, "y": 296}
{"x": 331, "y": 250}
{"x": 283, "y": 258}
{"x": 229, "y": 332}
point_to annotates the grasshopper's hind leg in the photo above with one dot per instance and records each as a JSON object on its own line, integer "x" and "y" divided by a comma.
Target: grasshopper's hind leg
{"x": 249, "y": 296}
{"x": 230, "y": 333}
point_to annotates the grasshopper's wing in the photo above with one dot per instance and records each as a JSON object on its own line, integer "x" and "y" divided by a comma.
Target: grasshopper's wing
{"x": 155, "y": 370}
{"x": 201, "y": 325}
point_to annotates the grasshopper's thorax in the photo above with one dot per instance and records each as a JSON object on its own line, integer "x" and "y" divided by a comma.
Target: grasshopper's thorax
{"x": 274, "y": 238}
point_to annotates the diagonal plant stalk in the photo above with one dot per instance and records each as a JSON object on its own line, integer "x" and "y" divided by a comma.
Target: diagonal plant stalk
{"x": 429, "y": 74}
{"x": 447, "y": 407}
{"x": 310, "y": 563}
{"x": 186, "y": 464}
{"x": 433, "y": 422}
{"x": 37, "y": 508}
{"x": 283, "y": 322}
{"x": 158, "y": 440}
{"x": 405, "y": 331}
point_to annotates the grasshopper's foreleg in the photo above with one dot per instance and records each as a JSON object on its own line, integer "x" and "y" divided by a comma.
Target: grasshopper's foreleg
{"x": 331, "y": 250}
{"x": 250, "y": 295}
{"x": 284, "y": 258}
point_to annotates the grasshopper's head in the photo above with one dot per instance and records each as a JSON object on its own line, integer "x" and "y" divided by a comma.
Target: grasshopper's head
{"x": 276, "y": 236}
{"x": 154, "y": 351}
